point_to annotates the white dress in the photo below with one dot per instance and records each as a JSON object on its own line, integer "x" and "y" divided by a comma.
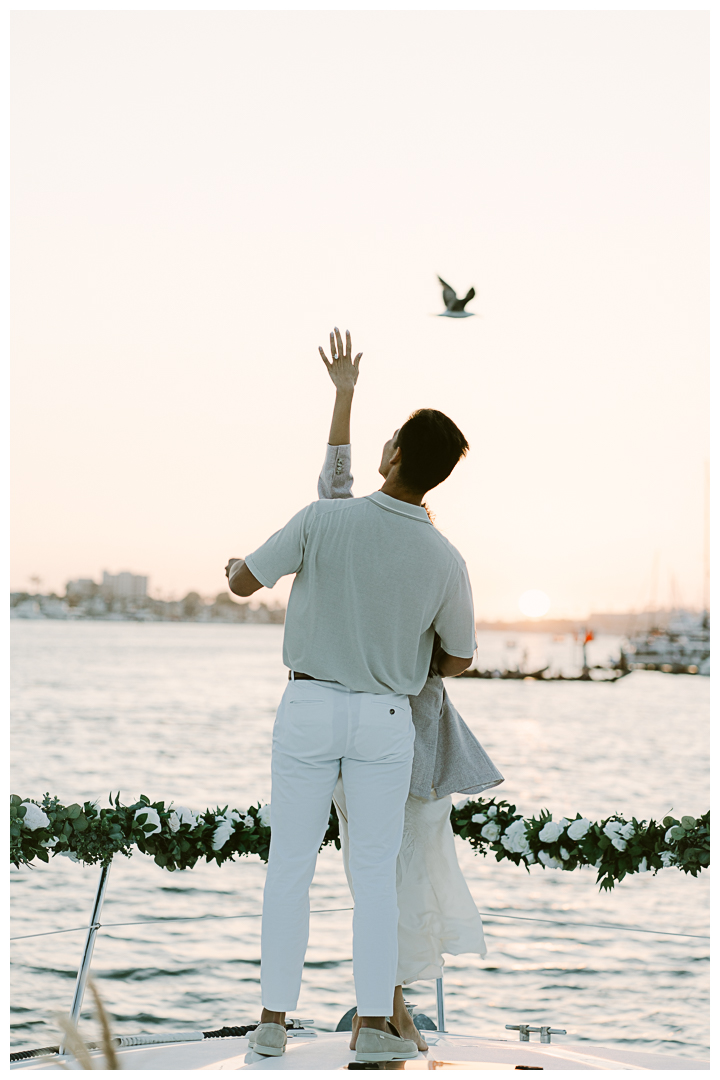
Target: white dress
{"x": 437, "y": 914}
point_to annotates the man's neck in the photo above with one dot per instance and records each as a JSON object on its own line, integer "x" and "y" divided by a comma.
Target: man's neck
{"x": 398, "y": 491}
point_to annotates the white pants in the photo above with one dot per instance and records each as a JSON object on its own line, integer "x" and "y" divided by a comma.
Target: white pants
{"x": 320, "y": 729}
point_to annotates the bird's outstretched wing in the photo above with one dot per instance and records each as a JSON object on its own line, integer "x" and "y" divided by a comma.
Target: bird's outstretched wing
{"x": 449, "y": 295}
{"x": 468, "y": 297}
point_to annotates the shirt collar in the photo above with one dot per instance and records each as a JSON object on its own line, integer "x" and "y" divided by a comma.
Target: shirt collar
{"x": 397, "y": 506}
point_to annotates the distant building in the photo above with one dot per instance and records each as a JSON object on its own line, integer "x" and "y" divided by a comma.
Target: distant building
{"x": 82, "y": 589}
{"x": 124, "y": 586}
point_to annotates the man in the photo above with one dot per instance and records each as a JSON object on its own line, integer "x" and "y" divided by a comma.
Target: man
{"x": 374, "y": 582}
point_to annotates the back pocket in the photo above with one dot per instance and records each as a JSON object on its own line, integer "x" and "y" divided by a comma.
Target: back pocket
{"x": 304, "y": 726}
{"x": 384, "y": 727}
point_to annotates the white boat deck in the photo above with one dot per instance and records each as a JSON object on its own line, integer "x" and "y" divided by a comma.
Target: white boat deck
{"x": 308, "y": 1050}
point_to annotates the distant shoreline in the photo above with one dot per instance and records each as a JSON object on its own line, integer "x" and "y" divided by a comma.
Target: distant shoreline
{"x": 223, "y": 609}
{"x": 193, "y": 608}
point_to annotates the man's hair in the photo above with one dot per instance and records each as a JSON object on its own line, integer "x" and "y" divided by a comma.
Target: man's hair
{"x": 431, "y": 447}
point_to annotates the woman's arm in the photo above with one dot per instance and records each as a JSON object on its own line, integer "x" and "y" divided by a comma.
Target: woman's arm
{"x": 340, "y": 423}
{"x": 335, "y": 480}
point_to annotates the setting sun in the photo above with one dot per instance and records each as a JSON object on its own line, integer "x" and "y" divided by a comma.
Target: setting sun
{"x": 534, "y": 603}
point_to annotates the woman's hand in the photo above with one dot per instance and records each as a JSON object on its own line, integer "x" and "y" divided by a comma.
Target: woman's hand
{"x": 341, "y": 368}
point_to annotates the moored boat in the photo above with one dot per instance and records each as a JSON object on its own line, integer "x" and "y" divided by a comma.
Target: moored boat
{"x": 682, "y": 648}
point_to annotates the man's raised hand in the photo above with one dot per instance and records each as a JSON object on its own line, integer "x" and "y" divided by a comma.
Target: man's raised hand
{"x": 341, "y": 368}
{"x": 228, "y": 568}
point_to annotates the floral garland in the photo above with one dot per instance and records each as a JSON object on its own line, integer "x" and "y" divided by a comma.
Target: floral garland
{"x": 177, "y": 838}
{"x": 613, "y": 846}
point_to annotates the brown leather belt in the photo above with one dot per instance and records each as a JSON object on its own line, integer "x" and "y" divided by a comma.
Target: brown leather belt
{"x": 299, "y": 675}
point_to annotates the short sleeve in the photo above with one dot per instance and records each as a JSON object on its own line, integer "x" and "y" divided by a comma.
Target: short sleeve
{"x": 283, "y": 553}
{"x": 455, "y": 621}
{"x": 335, "y": 480}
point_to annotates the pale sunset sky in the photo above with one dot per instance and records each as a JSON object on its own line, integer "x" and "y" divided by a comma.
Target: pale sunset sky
{"x": 199, "y": 197}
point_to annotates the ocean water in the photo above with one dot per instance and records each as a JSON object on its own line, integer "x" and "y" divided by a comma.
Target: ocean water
{"x": 185, "y": 712}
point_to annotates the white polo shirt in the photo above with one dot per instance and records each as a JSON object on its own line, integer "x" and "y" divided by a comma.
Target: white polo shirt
{"x": 373, "y": 582}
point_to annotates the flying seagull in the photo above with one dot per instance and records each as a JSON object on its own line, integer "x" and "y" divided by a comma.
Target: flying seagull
{"x": 454, "y": 308}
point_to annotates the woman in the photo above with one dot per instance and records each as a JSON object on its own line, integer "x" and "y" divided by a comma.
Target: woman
{"x": 436, "y": 911}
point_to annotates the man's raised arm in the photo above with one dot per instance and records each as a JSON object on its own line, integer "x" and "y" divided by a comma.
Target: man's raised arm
{"x": 240, "y": 580}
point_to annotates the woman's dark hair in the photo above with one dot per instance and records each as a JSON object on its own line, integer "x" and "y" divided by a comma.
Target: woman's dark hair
{"x": 431, "y": 447}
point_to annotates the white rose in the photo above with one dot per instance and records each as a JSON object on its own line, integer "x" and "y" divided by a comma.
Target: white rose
{"x": 491, "y": 831}
{"x": 515, "y": 838}
{"x": 612, "y": 828}
{"x": 463, "y": 802}
{"x": 669, "y": 836}
{"x": 668, "y": 858}
{"x": 264, "y": 814}
{"x": 547, "y": 860}
{"x": 578, "y": 828}
{"x": 529, "y": 857}
{"x": 479, "y": 819}
{"x": 222, "y": 834}
{"x": 49, "y": 843}
{"x": 550, "y": 831}
{"x": 492, "y": 811}
{"x": 564, "y": 854}
{"x": 642, "y": 866}
{"x": 153, "y": 818}
{"x": 181, "y": 815}
{"x": 248, "y": 822}
{"x": 225, "y": 829}
{"x": 619, "y": 843}
{"x": 70, "y": 855}
{"x": 35, "y": 818}
{"x": 627, "y": 830}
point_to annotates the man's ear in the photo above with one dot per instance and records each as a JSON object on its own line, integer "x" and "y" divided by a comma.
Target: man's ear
{"x": 397, "y": 457}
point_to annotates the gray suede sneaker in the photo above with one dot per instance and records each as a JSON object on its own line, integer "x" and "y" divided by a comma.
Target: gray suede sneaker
{"x": 269, "y": 1039}
{"x": 376, "y": 1045}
